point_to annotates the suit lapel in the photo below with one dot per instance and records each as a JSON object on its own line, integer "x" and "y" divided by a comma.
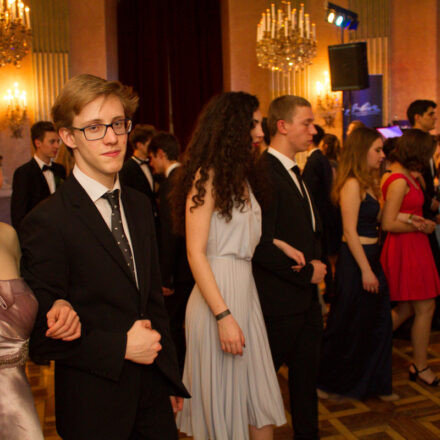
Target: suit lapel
{"x": 86, "y": 210}
{"x": 39, "y": 172}
{"x": 140, "y": 251}
{"x": 285, "y": 174}
{"x": 142, "y": 175}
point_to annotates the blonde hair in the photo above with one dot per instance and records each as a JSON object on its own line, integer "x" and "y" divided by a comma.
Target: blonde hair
{"x": 283, "y": 108}
{"x": 83, "y": 89}
{"x": 354, "y": 163}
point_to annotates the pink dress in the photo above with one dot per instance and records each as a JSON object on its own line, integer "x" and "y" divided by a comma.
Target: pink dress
{"x": 406, "y": 257}
{"x": 18, "y": 308}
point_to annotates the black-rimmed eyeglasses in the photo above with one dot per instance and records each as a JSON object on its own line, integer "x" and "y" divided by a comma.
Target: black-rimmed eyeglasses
{"x": 95, "y": 132}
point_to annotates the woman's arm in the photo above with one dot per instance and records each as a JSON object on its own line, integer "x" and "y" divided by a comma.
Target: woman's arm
{"x": 197, "y": 222}
{"x": 291, "y": 252}
{"x": 390, "y": 222}
{"x": 350, "y": 201}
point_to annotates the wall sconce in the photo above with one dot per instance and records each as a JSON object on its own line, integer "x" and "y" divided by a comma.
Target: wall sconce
{"x": 16, "y": 112}
{"x": 327, "y": 101}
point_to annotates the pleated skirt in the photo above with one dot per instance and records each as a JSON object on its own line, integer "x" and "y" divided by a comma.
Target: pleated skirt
{"x": 229, "y": 392}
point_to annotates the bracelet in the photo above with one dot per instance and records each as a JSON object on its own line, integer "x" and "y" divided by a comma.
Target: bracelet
{"x": 222, "y": 315}
{"x": 409, "y": 220}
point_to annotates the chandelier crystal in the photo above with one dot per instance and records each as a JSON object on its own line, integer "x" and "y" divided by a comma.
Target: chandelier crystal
{"x": 286, "y": 40}
{"x": 15, "y": 32}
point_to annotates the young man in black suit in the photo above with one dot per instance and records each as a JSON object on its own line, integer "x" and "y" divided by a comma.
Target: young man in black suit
{"x": 93, "y": 244}
{"x": 318, "y": 176}
{"x": 37, "y": 179}
{"x": 136, "y": 171}
{"x": 177, "y": 279}
{"x": 288, "y": 293}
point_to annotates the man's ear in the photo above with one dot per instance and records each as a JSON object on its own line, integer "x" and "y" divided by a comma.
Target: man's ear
{"x": 37, "y": 144}
{"x": 67, "y": 137}
{"x": 281, "y": 126}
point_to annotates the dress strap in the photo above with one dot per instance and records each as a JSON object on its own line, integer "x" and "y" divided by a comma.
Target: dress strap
{"x": 392, "y": 178}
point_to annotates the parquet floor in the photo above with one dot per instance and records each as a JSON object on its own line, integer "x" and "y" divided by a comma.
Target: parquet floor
{"x": 416, "y": 416}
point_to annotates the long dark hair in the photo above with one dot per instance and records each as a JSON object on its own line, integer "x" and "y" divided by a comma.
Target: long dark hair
{"x": 221, "y": 143}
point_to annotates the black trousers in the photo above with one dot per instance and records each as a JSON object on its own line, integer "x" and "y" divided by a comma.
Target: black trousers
{"x": 155, "y": 417}
{"x": 295, "y": 341}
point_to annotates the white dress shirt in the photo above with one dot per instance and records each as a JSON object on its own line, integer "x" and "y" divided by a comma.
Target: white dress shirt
{"x": 288, "y": 164}
{"x": 48, "y": 174}
{"x": 95, "y": 191}
{"x": 146, "y": 170}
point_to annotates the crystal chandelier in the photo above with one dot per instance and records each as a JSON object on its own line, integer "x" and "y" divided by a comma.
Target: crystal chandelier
{"x": 327, "y": 101}
{"x": 286, "y": 40}
{"x": 16, "y": 112}
{"x": 15, "y": 32}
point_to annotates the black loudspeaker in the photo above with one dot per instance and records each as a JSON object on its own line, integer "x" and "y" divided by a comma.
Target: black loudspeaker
{"x": 348, "y": 66}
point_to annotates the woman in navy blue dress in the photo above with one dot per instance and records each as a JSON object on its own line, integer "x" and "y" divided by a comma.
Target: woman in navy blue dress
{"x": 357, "y": 342}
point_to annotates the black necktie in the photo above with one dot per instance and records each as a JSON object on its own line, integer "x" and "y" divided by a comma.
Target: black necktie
{"x": 118, "y": 229}
{"x": 306, "y": 204}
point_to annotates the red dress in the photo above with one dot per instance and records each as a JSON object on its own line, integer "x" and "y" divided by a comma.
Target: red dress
{"x": 406, "y": 257}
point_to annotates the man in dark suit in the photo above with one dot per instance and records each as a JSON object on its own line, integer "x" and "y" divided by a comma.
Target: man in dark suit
{"x": 318, "y": 176}
{"x": 37, "y": 179}
{"x": 177, "y": 279}
{"x": 136, "y": 171}
{"x": 289, "y": 297}
{"x": 93, "y": 244}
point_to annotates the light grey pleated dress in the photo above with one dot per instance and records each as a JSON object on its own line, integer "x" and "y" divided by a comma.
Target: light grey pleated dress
{"x": 230, "y": 392}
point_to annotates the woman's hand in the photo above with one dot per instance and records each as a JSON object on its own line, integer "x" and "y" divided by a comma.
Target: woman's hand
{"x": 63, "y": 322}
{"x": 231, "y": 336}
{"x": 292, "y": 253}
{"x": 429, "y": 226}
{"x": 370, "y": 282}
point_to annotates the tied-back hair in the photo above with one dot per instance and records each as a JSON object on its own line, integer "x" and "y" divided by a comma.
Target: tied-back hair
{"x": 221, "y": 144}
{"x": 353, "y": 163}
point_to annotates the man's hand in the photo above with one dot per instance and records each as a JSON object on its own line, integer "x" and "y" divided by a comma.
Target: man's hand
{"x": 319, "y": 271}
{"x": 435, "y": 204}
{"x": 63, "y": 322}
{"x": 166, "y": 291}
{"x": 176, "y": 403}
{"x": 142, "y": 343}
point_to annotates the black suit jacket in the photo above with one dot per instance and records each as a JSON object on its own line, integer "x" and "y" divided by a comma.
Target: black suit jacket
{"x": 172, "y": 249}
{"x": 132, "y": 175}
{"x": 29, "y": 187}
{"x": 318, "y": 176}
{"x": 69, "y": 252}
{"x": 283, "y": 291}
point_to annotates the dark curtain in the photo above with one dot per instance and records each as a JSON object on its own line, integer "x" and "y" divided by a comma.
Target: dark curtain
{"x": 170, "y": 46}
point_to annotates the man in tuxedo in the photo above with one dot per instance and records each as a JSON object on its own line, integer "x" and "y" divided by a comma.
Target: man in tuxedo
{"x": 177, "y": 279}
{"x": 288, "y": 294}
{"x": 318, "y": 176}
{"x": 37, "y": 179}
{"x": 93, "y": 244}
{"x": 136, "y": 171}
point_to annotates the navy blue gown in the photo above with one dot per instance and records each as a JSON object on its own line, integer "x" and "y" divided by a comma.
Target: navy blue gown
{"x": 357, "y": 342}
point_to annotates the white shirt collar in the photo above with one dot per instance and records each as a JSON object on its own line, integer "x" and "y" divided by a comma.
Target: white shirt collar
{"x": 171, "y": 168}
{"x": 40, "y": 162}
{"x": 287, "y": 162}
{"x": 312, "y": 151}
{"x": 92, "y": 187}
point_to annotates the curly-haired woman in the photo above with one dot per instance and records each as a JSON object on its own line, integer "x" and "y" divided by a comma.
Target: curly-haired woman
{"x": 406, "y": 256}
{"x": 228, "y": 368}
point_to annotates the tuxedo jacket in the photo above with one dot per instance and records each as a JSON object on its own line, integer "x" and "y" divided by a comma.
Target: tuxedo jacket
{"x": 69, "y": 252}
{"x": 172, "y": 248}
{"x": 132, "y": 175}
{"x": 29, "y": 187}
{"x": 318, "y": 176}
{"x": 283, "y": 291}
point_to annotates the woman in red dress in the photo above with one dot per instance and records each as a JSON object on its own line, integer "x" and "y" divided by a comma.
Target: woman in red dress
{"x": 406, "y": 256}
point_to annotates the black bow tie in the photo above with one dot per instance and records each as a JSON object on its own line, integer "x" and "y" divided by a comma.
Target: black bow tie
{"x": 142, "y": 162}
{"x": 48, "y": 168}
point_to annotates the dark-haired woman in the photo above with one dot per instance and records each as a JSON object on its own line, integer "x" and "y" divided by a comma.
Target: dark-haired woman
{"x": 18, "y": 308}
{"x": 357, "y": 342}
{"x": 228, "y": 367}
{"x": 406, "y": 256}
